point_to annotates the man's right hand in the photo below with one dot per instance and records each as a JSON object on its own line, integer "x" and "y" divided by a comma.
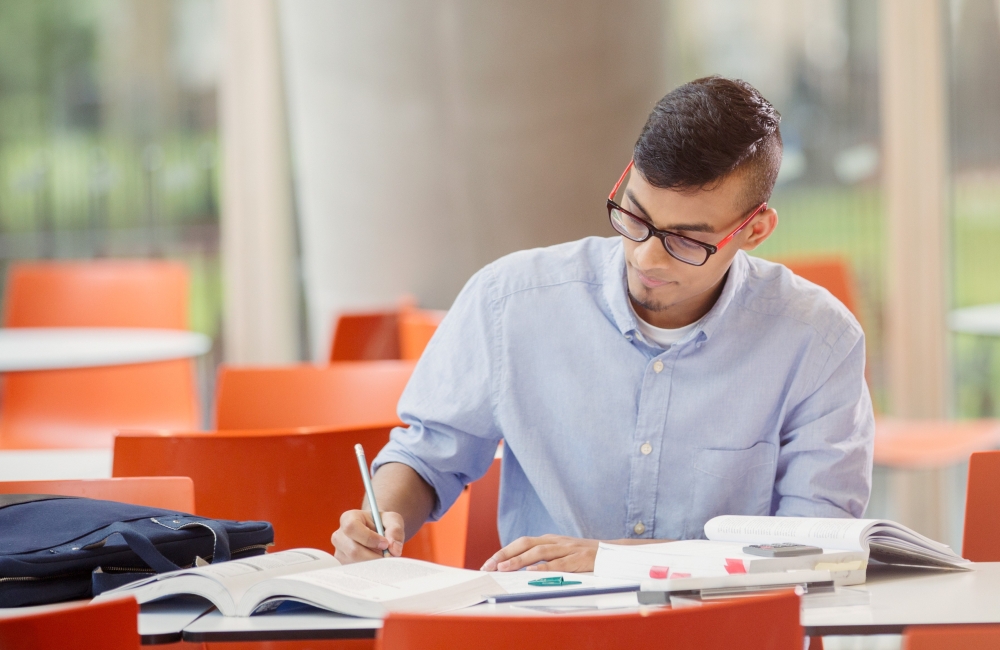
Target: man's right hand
{"x": 357, "y": 540}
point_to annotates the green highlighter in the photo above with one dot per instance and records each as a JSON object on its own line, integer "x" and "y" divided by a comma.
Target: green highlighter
{"x": 554, "y": 581}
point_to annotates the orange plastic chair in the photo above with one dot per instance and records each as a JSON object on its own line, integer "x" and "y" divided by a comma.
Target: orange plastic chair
{"x": 981, "y": 538}
{"x": 111, "y": 625}
{"x": 83, "y": 407}
{"x": 482, "y": 538}
{"x": 899, "y": 442}
{"x": 167, "y": 492}
{"x": 366, "y": 336}
{"x": 770, "y": 621}
{"x": 951, "y": 637}
{"x": 400, "y": 333}
{"x": 344, "y": 394}
{"x": 416, "y": 327}
{"x": 300, "y": 480}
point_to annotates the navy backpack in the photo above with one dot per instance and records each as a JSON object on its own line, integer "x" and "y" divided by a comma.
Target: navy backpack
{"x": 55, "y": 548}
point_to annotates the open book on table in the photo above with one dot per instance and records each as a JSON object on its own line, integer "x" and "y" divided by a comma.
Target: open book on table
{"x": 847, "y": 546}
{"x": 369, "y": 589}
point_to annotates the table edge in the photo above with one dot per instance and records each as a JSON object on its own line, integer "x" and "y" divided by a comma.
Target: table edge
{"x": 280, "y": 635}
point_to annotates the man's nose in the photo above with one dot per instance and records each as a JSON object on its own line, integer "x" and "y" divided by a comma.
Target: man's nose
{"x": 650, "y": 254}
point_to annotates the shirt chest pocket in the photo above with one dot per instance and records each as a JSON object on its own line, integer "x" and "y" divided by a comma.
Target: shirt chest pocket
{"x": 731, "y": 482}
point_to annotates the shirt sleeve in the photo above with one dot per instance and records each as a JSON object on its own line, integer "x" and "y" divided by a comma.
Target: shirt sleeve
{"x": 448, "y": 406}
{"x": 825, "y": 460}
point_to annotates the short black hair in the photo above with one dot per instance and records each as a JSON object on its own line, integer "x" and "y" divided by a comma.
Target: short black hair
{"x": 708, "y": 129}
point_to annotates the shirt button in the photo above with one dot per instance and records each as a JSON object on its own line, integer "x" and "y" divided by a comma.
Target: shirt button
{"x": 639, "y": 528}
{"x": 628, "y": 337}
{"x": 658, "y": 366}
{"x": 646, "y": 448}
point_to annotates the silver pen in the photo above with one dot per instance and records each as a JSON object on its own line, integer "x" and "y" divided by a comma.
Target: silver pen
{"x": 363, "y": 464}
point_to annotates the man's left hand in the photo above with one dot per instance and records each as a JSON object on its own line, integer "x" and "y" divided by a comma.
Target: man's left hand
{"x": 545, "y": 553}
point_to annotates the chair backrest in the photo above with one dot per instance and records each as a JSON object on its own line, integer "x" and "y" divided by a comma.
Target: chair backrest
{"x": 128, "y": 293}
{"x": 167, "y": 492}
{"x": 483, "y": 539}
{"x": 347, "y": 394}
{"x": 342, "y": 395}
{"x": 83, "y": 407}
{"x": 300, "y": 480}
{"x": 981, "y": 538}
{"x": 770, "y": 621}
{"x": 416, "y": 327}
{"x": 951, "y": 637}
{"x": 831, "y": 273}
{"x": 366, "y": 336}
{"x": 111, "y": 625}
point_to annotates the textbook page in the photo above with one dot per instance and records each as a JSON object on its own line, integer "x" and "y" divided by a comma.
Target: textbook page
{"x": 224, "y": 583}
{"x": 886, "y": 541}
{"x": 376, "y": 587}
{"x": 840, "y": 534}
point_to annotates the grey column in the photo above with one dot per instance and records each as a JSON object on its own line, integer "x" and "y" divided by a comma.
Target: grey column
{"x": 430, "y": 138}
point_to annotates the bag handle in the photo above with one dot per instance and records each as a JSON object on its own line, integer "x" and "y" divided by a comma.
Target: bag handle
{"x": 220, "y": 549}
{"x": 141, "y": 546}
{"x": 157, "y": 561}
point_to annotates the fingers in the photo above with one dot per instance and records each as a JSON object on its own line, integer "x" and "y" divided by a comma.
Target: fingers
{"x": 575, "y": 562}
{"x": 515, "y": 548}
{"x": 545, "y": 553}
{"x": 394, "y": 532}
{"x": 356, "y": 539}
{"x": 539, "y": 553}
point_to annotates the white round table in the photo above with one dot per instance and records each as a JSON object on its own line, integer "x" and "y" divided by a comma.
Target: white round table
{"x": 983, "y": 320}
{"x": 60, "y": 348}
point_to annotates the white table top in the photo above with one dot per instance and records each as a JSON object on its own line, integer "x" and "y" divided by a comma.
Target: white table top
{"x": 309, "y": 624}
{"x": 53, "y": 348}
{"x": 54, "y": 464}
{"x": 158, "y": 622}
{"x": 902, "y": 596}
{"x": 983, "y": 320}
{"x": 163, "y": 622}
{"x": 898, "y": 597}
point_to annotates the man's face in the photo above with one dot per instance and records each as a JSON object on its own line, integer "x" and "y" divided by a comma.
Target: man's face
{"x": 667, "y": 292}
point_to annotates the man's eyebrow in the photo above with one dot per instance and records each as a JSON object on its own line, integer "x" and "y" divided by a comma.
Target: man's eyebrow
{"x": 687, "y": 227}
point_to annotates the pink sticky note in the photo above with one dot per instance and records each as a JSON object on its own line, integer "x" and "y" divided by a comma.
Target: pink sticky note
{"x": 735, "y": 566}
{"x": 659, "y": 572}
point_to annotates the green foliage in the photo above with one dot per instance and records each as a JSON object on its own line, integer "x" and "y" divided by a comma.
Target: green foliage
{"x": 47, "y": 50}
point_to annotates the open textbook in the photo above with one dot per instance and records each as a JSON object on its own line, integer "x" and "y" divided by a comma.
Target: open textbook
{"x": 847, "y": 545}
{"x": 369, "y": 589}
{"x": 885, "y": 540}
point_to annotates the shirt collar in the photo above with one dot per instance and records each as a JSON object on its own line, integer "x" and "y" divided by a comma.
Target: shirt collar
{"x": 616, "y": 292}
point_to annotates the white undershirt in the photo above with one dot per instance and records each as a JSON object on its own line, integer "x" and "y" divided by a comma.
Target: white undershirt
{"x": 659, "y": 336}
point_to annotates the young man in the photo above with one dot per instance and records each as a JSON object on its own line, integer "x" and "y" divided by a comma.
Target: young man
{"x": 645, "y": 383}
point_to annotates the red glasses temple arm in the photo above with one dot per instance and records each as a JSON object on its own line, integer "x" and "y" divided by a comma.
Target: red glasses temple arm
{"x": 730, "y": 236}
{"x": 611, "y": 197}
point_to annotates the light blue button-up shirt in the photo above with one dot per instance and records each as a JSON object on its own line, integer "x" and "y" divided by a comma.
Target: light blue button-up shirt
{"x": 761, "y": 409}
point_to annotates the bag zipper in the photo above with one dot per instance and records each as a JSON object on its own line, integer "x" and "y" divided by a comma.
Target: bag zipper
{"x": 252, "y": 546}
{"x": 118, "y": 569}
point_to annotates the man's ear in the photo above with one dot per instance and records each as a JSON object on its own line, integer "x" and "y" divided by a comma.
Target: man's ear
{"x": 760, "y": 229}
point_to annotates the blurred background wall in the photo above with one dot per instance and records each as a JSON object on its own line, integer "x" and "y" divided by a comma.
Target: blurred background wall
{"x": 431, "y": 138}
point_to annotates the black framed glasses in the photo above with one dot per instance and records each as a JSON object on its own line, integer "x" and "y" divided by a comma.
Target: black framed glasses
{"x": 685, "y": 249}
